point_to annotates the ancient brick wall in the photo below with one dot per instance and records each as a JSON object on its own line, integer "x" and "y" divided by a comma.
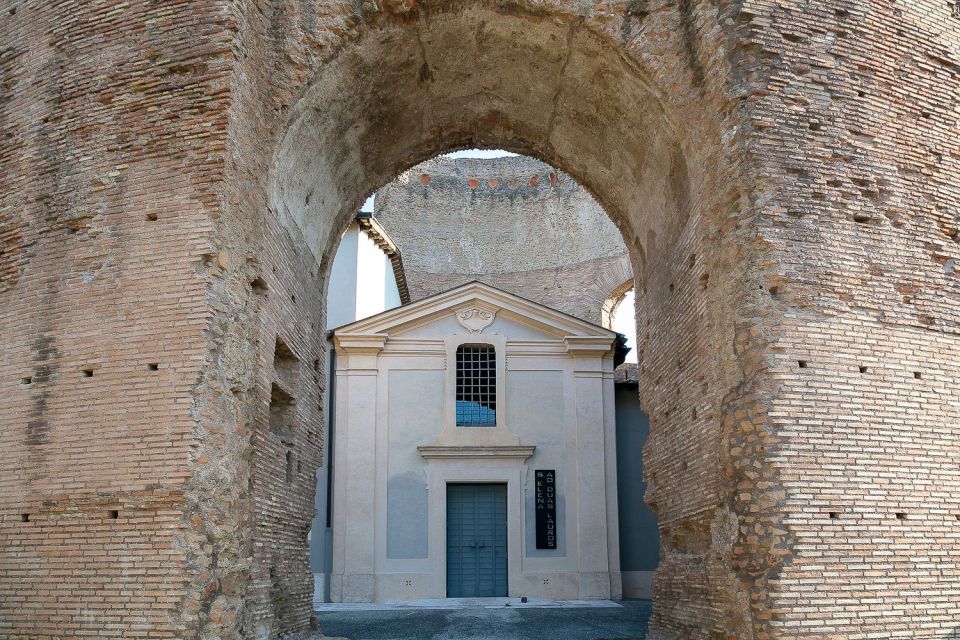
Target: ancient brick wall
{"x": 861, "y": 118}
{"x": 513, "y": 222}
{"x": 834, "y": 440}
{"x": 106, "y": 206}
{"x": 175, "y": 179}
{"x": 137, "y": 343}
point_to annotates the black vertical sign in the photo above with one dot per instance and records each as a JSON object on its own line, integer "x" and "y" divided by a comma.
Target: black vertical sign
{"x": 546, "y": 508}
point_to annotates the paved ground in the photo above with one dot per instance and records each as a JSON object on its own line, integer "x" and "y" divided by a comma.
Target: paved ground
{"x": 463, "y": 603}
{"x": 502, "y": 623}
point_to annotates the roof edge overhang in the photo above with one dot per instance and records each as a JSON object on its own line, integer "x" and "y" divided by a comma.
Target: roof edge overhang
{"x": 375, "y": 231}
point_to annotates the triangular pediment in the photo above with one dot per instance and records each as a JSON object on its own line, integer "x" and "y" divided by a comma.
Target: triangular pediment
{"x": 474, "y": 306}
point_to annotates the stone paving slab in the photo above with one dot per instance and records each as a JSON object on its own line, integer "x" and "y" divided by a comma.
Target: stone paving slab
{"x": 464, "y": 603}
{"x": 622, "y": 622}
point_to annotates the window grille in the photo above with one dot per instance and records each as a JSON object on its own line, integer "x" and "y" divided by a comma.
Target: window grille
{"x": 476, "y": 386}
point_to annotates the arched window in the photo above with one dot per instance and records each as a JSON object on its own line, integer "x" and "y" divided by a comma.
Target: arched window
{"x": 476, "y": 385}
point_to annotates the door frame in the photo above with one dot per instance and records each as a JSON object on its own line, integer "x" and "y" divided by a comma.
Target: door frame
{"x": 508, "y": 471}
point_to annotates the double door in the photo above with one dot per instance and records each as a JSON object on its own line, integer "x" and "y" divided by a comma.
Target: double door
{"x": 476, "y": 540}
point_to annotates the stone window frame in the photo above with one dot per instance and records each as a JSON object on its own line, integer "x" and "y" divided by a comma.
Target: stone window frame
{"x": 452, "y": 343}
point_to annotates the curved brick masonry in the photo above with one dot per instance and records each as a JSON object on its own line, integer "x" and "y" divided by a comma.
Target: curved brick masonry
{"x": 784, "y": 178}
{"x": 503, "y": 221}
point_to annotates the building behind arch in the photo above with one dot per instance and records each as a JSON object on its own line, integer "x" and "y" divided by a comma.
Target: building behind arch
{"x": 518, "y": 224}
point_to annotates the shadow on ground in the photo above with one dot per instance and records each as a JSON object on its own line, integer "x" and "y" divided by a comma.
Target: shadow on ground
{"x": 626, "y": 622}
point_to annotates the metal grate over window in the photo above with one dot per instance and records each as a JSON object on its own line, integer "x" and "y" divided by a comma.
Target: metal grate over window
{"x": 476, "y": 386}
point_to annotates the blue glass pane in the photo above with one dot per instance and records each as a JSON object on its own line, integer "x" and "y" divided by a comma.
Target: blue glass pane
{"x": 475, "y": 414}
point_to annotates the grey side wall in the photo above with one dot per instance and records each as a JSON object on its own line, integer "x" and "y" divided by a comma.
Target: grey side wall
{"x": 639, "y": 535}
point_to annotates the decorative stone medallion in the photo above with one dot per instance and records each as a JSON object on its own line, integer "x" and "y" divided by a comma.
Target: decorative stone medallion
{"x": 475, "y": 319}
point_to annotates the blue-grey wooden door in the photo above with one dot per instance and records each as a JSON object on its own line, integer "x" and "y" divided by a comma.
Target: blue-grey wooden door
{"x": 476, "y": 540}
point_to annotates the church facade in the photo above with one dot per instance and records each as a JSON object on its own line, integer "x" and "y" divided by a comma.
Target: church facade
{"x": 474, "y": 452}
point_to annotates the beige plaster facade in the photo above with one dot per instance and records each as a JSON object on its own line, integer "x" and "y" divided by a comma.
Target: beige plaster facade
{"x": 397, "y": 446}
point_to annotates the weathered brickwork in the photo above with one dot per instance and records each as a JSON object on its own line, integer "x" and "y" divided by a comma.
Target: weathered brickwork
{"x": 106, "y": 211}
{"x": 176, "y": 177}
{"x": 126, "y": 449}
{"x": 867, "y": 132}
{"x": 513, "y": 222}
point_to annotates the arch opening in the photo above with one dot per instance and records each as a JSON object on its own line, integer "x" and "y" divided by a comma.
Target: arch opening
{"x": 565, "y": 93}
{"x": 527, "y": 228}
{"x": 612, "y": 305}
{"x": 622, "y": 318}
{"x": 552, "y": 89}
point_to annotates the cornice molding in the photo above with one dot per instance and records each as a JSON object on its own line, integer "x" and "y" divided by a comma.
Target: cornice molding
{"x": 485, "y": 452}
{"x": 482, "y": 296}
{"x": 588, "y": 345}
{"x": 357, "y": 343}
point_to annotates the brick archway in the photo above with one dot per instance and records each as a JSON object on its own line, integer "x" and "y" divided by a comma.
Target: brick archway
{"x": 560, "y": 87}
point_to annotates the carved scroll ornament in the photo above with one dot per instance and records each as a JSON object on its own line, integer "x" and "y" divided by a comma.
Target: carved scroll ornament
{"x": 475, "y": 319}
